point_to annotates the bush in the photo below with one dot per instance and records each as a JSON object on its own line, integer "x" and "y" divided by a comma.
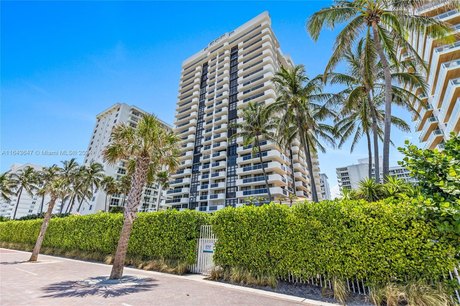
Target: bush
{"x": 381, "y": 242}
{"x": 166, "y": 235}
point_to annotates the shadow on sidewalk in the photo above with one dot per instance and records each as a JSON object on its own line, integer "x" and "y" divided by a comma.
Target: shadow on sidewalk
{"x": 99, "y": 286}
{"x": 13, "y": 262}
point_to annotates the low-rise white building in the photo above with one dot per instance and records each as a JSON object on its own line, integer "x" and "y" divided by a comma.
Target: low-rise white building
{"x": 325, "y": 188}
{"x": 350, "y": 176}
{"x": 29, "y": 204}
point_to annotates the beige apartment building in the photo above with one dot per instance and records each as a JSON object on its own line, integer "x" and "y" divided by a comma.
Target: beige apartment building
{"x": 216, "y": 84}
{"x": 442, "y": 113}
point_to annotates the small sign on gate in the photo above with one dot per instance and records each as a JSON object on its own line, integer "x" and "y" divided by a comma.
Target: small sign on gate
{"x": 208, "y": 247}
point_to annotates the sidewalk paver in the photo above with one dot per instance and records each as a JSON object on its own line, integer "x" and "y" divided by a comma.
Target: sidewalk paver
{"x": 61, "y": 281}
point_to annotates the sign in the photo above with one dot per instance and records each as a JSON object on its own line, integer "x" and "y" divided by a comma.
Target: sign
{"x": 208, "y": 247}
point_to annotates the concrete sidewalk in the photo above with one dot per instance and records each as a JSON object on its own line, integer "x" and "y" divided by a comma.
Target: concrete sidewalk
{"x": 62, "y": 281}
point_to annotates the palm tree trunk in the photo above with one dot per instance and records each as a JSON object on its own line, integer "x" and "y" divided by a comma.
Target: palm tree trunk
{"x": 369, "y": 150}
{"x": 306, "y": 145}
{"x": 388, "y": 97}
{"x": 105, "y": 203}
{"x": 134, "y": 198}
{"x": 71, "y": 203}
{"x": 79, "y": 205}
{"x": 41, "y": 205}
{"x": 263, "y": 169}
{"x": 291, "y": 159}
{"x": 41, "y": 235}
{"x": 17, "y": 203}
{"x": 376, "y": 144}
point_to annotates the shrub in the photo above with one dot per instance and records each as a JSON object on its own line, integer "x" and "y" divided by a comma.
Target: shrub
{"x": 381, "y": 242}
{"x": 166, "y": 235}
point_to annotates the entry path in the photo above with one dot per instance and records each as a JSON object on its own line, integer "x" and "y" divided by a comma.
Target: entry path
{"x": 61, "y": 281}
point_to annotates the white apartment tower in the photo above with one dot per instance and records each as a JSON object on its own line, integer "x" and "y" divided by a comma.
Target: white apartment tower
{"x": 29, "y": 204}
{"x": 441, "y": 116}
{"x": 216, "y": 84}
{"x": 154, "y": 197}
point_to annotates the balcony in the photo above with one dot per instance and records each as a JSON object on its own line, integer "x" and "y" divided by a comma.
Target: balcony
{"x": 431, "y": 123}
{"x": 217, "y": 185}
{"x": 435, "y": 138}
{"x": 448, "y": 112}
{"x": 449, "y": 70}
{"x": 441, "y": 54}
{"x": 217, "y": 196}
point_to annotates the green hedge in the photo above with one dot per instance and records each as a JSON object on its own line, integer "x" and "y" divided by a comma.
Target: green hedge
{"x": 170, "y": 235}
{"x": 380, "y": 242}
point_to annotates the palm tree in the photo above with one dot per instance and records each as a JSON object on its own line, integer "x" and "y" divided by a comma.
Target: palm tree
{"x": 388, "y": 24}
{"x": 69, "y": 171}
{"x": 57, "y": 188}
{"x": 361, "y": 112}
{"x": 91, "y": 179}
{"x": 298, "y": 104}
{"x": 6, "y": 186}
{"x": 110, "y": 187}
{"x": 257, "y": 123}
{"x": 44, "y": 178}
{"x": 24, "y": 180}
{"x": 148, "y": 149}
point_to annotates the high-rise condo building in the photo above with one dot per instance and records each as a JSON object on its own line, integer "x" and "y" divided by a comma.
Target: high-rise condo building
{"x": 442, "y": 113}
{"x": 216, "y": 84}
{"x": 350, "y": 176}
{"x": 29, "y": 204}
{"x": 154, "y": 196}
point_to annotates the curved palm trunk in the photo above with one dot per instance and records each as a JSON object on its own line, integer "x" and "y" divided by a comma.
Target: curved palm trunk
{"x": 17, "y": 203}
{"x": 306, "y": 145}
{"x": 134, "y": 198}
{"x": 263, "y": 169}
{"x": 388, "y": 96}
{"x": 44, "y": 227}
{"x": 369, "y": 151}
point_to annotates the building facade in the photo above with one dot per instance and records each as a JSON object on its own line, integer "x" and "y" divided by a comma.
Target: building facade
{"x": 325, "y": 188}
{"x": 29, "y": 204}
{"x": 349, "y": 177}
{"x": 154, "y": 197}
{"x": 441, "y": 116}
{"x": 216, "y": 83}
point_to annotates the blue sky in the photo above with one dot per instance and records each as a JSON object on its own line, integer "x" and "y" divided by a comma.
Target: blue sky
{"x": 64, "y": 62}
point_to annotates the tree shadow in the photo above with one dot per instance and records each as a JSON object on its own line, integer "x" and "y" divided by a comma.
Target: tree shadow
{"x": 99, "y": 286}
{"x": 13, "y": 262}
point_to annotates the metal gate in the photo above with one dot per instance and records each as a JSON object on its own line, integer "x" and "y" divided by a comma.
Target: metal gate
{"x": 205, "y": 251}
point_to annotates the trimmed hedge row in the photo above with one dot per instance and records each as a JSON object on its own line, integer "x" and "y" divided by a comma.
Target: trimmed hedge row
{"x": 170, "y": 235}
{"x": 380, "y": 242}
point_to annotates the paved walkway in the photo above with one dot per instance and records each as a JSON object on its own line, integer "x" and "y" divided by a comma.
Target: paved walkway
{"x": 61, "y": 281}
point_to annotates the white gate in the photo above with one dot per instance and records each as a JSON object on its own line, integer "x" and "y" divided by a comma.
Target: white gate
{"x": 205, "y": 251}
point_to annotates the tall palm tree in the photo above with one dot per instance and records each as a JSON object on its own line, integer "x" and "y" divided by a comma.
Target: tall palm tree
{"x": 301, "y": 105}
{"x": 388, "y": 23}
{"x": 6, "y": 186}
{"x": 364, "y": 83}
{"x": 110, "y": 187}
{"x": 148, "y": 149}
{"x": 257, "y": 124}
{"x": 24, "y": 180}
{"x": 57, "y": 188}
